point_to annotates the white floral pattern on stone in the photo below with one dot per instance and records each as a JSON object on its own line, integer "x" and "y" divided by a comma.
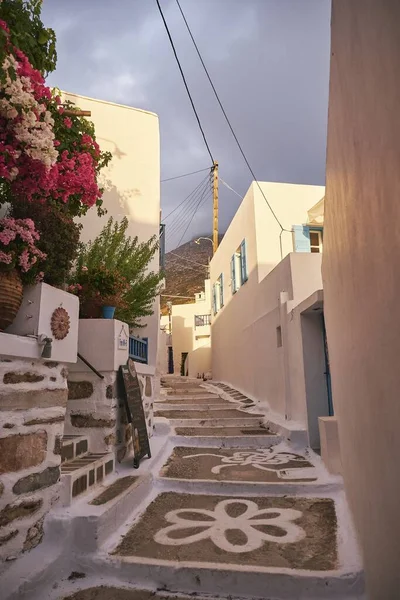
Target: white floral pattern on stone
{"x": 215, "y": 524}
{"x": 261, "y": 459}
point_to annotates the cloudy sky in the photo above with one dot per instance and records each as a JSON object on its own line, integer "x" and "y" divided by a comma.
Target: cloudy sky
{"x": 269, "y": 60}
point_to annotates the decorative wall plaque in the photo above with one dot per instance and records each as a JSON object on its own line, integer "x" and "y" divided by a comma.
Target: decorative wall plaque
{"x": 60, "y": 323}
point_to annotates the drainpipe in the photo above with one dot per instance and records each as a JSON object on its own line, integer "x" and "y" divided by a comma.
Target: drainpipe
{"x": 283, "y": 315}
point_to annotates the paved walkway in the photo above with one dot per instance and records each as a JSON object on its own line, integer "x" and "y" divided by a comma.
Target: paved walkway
{"x": 232, "y": 511}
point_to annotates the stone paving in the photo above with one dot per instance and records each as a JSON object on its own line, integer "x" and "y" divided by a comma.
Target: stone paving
{"x": 264, "y": 465}
{"x": 229, "y": 522}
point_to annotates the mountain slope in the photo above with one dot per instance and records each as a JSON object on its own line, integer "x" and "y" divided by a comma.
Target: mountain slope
{"x": 183, "y": 276}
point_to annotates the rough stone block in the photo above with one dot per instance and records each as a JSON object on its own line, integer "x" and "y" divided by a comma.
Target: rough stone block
{"x": 24, "y": 400}
{"x": 37, "y": 481}
{"x": 23, "y": 509}
{"x": 79, "y": 420}
{"x": 121, "y": 454}
{"x": 57, "y": 445}
{"x": 19, "y": 452}
{"x": 109, "y": 440}
{"x": 14, "y": 377}
{"x": 34, "y": 536}
{"x": 9, "y": 536}
{"x": 45, "y": 421}
{"x": 148, "y": 390}
{"x": 79, "y": 390}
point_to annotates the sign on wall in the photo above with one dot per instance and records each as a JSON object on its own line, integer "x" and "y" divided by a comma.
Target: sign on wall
{"x": 135, "y": 412}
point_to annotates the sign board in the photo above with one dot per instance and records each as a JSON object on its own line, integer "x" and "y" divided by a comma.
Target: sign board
{"x": 123, "y": 339}
{"x": 134, "y": 410}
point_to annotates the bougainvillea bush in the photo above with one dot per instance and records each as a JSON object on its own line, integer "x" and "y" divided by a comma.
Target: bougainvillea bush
{"x": 49, "y": 158}
{"x": 19, "y": 251}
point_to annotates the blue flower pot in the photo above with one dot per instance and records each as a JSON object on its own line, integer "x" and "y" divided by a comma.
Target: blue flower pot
{"x": 108, "y": 312}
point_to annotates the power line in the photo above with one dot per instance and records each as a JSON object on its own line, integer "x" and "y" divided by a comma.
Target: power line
{"x": 185, "y": 175}
{"x": 180, "y": 219}
{"x": 184, "y": 81}
{"x": 195, "y": 211}
{"x": 189, "y": 217}
{"x": 188, "y": 259}
{"x": 187, "y": 197}
{"x": 230, "y": 188}
{"x": 226, "y": 117}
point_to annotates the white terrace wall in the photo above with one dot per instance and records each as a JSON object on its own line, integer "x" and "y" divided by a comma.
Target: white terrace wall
{"x": 131, "y": 181}
{"x": 33, "y": 399}
{"x": 245, "y": 350}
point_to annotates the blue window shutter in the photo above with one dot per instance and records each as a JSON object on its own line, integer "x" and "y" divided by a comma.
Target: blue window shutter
{"x": 243, "y": 261}
{"x": 214, "y": 299}
{"x": 233, "y": 274}
{"x": 221, "y": 290}
{"x": 301, "y": 236}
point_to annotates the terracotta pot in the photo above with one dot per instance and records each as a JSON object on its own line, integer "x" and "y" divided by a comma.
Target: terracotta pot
{"x": 11, "y": 292}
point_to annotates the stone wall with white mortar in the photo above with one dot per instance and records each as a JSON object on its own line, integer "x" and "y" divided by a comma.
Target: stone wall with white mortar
{"x": 33, "y": 398}
{"x": 96, "y": 410}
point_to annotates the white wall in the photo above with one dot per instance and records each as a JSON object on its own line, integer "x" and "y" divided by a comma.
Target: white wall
{"x": 188, "y": 338}
{"x": 361, "y": 274}
{"x": 131, "y": 181}
{"x": 244, "y": 332}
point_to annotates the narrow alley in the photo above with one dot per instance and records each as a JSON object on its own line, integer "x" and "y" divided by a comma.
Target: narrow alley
{"x": 227, "y": 507}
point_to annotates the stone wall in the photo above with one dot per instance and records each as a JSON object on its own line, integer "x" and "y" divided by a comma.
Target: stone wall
{"x": 96, "y": 410}
{"x": 33, "y": 398}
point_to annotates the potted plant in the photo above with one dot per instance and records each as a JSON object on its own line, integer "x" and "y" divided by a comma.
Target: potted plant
{"x": 21, "y": 262}
{"x": 100, "y": 291}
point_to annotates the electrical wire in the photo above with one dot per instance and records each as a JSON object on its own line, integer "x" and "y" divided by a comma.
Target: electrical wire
{"x": 184, "y": 175}
{"x": 230, "y": 188}
{"x": 187, "y": 197}
{"x": 194, "y": 213}
{"x": 184, "y": 80}
{"x": 188, "y": 259}
{"x": 226, "y": 117}
{"x": 180, "y": 219}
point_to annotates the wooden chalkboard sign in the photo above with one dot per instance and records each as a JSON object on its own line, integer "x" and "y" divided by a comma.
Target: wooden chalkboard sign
{"x": 134, "y": 410}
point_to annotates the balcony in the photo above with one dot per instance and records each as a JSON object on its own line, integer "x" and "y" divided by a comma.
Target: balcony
{"x": 138, "y": 349}
{"x": 202, "y": 320}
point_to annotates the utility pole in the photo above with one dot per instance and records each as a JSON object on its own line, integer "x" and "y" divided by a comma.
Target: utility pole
{"x": 215, "y": 207}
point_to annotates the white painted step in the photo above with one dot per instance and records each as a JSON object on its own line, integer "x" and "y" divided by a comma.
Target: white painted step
{"x": 82, "y": 474}
{"x": 93, "y": 518}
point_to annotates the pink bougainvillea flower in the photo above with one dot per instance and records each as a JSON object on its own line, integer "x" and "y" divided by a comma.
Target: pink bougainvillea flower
{"x": 68, "y": 122}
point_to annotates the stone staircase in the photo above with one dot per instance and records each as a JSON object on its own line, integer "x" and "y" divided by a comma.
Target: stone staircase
{"x": 81, "y": 470}
{"x": 225, "y": 508}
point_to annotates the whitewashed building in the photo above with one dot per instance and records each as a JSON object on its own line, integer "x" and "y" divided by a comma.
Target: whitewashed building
{"x": 268, "y": 335}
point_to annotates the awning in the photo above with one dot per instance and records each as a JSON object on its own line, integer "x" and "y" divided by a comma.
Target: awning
{"x": 316, "y": 214}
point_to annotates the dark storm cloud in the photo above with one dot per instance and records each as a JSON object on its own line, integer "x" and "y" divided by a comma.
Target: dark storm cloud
{"x": 269, "y": 60}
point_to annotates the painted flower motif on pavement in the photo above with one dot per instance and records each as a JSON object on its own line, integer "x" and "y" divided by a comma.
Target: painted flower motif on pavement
{"x": 261, "y": 459}
{"x": 277, "y": 523}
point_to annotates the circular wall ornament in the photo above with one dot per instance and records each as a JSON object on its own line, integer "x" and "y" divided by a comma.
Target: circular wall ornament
{"x": 60, "y": 323}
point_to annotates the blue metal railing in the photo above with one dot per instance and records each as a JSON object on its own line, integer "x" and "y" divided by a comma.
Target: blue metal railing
{"x": 138, "y": 349}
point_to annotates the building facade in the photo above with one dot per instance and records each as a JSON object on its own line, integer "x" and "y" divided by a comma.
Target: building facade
{"x": 268, "y": 337}
{"x": 131, "y": 182}
{"x": 361, "y": 273}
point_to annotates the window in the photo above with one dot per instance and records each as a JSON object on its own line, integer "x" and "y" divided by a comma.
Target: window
{"x": 279, "y": 336}
{"x": 306, "y": 239}
{"x": 239, "y": 267}
{"x": 201, "y": 320}
{"x": 316, "y": 240}
{"x": 218, "y": 294}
